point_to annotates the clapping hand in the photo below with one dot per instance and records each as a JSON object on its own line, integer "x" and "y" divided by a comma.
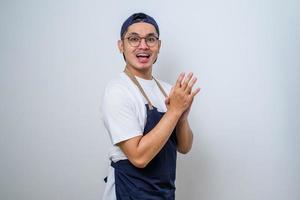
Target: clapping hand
{"x": 182, "y": 95}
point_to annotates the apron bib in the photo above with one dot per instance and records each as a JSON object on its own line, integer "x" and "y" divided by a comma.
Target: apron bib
{"x": 157, "y": 180}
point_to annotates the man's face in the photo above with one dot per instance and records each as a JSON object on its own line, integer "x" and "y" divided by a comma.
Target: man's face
{"x": 143, "y": 56}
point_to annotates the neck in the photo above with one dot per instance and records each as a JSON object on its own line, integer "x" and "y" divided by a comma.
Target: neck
{"x": 144, "y": 74}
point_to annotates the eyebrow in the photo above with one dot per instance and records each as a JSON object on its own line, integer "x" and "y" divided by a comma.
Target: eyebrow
{"x": 136, "y": 34}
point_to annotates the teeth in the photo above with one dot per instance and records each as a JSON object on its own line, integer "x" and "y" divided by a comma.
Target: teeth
{"x": 142, "y": 54}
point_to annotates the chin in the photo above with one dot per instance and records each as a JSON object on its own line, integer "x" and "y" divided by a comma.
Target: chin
{"x": 143, "y": 66}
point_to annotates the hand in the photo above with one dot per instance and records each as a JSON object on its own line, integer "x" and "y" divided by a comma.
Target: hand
{"x": 181, "y": 95}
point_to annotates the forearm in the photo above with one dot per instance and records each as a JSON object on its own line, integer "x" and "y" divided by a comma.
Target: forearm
{"x": 184, "y": 136}
{"x": 151, "y": 143}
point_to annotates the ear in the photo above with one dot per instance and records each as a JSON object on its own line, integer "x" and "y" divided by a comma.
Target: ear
{"x": 120, "y": 46}
{"x": 159, "y": 44}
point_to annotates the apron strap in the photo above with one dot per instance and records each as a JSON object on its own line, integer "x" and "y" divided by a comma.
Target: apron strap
{"x": 160, "y": 87}
{"x": 135, "y": 81}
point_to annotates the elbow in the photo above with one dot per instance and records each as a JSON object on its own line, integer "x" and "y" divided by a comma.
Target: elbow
{"x": 185, "y": 147}
{"x": 139, "y": 162}
{"x": 183, "y": 150}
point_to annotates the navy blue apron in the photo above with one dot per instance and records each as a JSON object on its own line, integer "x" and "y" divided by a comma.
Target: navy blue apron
{"x": 157, "y": 180}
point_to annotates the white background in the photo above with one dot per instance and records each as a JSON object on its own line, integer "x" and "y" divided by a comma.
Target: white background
{"x": 57, "y": 56}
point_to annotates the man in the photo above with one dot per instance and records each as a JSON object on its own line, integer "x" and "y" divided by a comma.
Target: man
{"x": 146, "y": 126}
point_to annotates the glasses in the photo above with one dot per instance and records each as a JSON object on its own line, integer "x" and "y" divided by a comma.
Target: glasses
{"x": 135, "y": 41}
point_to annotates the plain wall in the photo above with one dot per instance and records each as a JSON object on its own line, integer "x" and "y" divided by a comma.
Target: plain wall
{"x": 57, "y": 56}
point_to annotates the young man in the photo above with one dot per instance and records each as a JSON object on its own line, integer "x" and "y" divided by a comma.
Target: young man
{"x": 147, "y": 119}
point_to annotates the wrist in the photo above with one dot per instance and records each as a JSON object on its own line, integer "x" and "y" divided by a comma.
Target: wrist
{"x": 175, "y": 113}
{"x": 182, "y": 121}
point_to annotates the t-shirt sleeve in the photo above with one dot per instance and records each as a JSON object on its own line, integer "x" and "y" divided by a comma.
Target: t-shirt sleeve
{"x": 119, "y": 114}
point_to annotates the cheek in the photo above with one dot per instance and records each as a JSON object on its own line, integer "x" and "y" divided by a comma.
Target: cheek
{"x": 155, "y": 52}
{"x": 128, "y": 51}
{"x": 129, "y": 54}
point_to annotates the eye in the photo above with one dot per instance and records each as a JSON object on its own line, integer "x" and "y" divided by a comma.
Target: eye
{"x": 151, "y": 39}
{"x": 134, "y": 39}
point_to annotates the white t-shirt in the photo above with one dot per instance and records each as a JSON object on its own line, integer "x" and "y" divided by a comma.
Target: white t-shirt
{"x": 124, "y": 115}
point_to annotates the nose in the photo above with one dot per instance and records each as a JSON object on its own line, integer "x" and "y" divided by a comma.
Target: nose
{"x": 143, "y": 44}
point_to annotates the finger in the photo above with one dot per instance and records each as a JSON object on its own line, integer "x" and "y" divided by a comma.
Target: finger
{"x": 191, "y": 85}
{"x": 179, "y": 80}
{"x": 187, "y": 80}
{"x": 195, "y": 92}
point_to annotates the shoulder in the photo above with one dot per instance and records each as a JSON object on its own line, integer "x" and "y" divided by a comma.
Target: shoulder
{"x": 119, "y": 86}
{"x": 118, "y": 95}
{"x": 121, "y": 93}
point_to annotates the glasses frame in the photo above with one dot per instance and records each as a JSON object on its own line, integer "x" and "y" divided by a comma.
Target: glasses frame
{"x": 157, "y": 39}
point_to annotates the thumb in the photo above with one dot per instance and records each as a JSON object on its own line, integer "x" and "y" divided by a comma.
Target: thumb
{"x": 172, "y": 90}
{"x": 167, "y": 100}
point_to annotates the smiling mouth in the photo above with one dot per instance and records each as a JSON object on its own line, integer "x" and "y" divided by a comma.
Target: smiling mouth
{"x": 143, "y": 55}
